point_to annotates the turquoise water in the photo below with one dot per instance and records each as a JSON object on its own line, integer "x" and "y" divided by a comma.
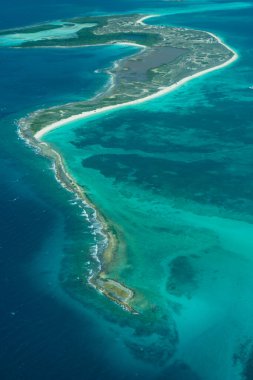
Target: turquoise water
{"x": 175, "y": 176}
{"x": 179, "y": 170}
{"x": 64, "y": 31}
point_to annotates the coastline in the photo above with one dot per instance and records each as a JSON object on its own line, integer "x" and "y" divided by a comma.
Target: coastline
{"x": 117, "y": 292}
{"x": 38, "y": 135}
{"x": 114, "y": 290}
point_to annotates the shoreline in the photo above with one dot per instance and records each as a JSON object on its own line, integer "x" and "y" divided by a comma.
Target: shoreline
{"x": 114, "y": 290}
{"x": 166, "y": 90}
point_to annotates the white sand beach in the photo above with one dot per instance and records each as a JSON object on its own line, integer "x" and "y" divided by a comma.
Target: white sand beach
{"x": 159, "y": 93}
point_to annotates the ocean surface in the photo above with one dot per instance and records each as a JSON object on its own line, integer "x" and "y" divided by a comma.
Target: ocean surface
{"x": 173, "y": 174}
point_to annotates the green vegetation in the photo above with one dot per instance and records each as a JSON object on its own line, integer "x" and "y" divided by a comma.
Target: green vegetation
{"x": 85, "y": 36}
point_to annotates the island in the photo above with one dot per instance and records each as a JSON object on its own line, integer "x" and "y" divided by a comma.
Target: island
{"x": 167, "y": 57}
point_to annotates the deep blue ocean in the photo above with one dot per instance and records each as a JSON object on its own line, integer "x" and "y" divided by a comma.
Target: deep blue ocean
{"x": 44, "y": 332}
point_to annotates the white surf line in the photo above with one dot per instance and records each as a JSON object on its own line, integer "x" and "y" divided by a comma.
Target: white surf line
{"x": 128, "y": 44}
{"x": 140, "y": 21}
{"x": 223, "y": 43}
{"x": 162, "y": 92}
